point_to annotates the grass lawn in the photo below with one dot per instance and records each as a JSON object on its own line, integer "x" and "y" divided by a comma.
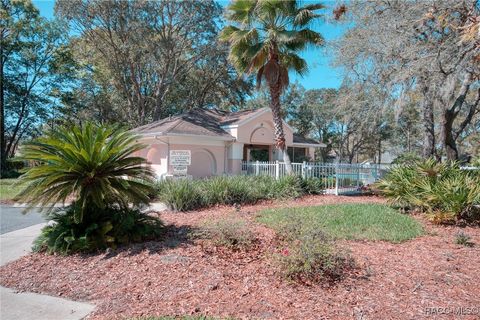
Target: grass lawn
{"x": 345, "y": 221}
{"x": 9, "y": 188}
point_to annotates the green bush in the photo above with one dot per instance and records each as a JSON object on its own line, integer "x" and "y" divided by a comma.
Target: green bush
{"x": 184, "y": 195}
{"x": 227, "y": 190}
{"x": 288, "y": 187}
{"x": 179, "y": 195}
{"x": 231, "y": 232}
{"x": 313, "y": 257}
{"x": 94, "y": 166}
{"x": 444, "y": 191}
{"x": 113, "y": 227}
{"x": 476, "y": 162}
{"x": 12, "y": 169}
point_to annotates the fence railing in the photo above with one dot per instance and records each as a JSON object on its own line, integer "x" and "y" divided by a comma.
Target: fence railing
{"x": 338, "y": 178}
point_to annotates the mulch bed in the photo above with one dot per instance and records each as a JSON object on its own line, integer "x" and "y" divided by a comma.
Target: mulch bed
{"x": 178, "y": 276}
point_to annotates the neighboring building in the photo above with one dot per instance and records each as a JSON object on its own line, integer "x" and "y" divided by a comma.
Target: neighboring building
{"x": 215, "y": 142}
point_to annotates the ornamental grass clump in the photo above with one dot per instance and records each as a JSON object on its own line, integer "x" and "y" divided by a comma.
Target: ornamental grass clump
{"x": 443, "y": 191}
{"x": 313, "y": 257}
{"x": 94, "y": 167}
{"x": 231, "y": 232}
{"x": 185, "y": 194}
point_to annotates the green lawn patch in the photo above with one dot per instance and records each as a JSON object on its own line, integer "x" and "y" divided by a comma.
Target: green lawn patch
{"x": 344, "y": 221}
{"x": 9, "y": 188}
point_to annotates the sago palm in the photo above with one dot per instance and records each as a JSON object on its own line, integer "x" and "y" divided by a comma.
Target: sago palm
{"x": 265, "y": 37}
{"x": 92, "y": 165}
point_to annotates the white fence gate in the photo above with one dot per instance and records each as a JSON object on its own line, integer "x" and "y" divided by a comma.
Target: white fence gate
{"x": 338, "y": 178}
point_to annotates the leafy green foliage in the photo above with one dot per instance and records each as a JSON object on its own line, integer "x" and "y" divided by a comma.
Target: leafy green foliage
{"x": 476, "y": 162}
{"x": 263, "y": 26}
{"x": 93, "y": 166}
{"x": 184, "y": 195}
{"x": 231, "y": 232}
{"x": 443, "y": 191}
{"x": 113, "y": 227}
{"x": 180, "y": 195}
{"x": 372, "y": 222}
{"x": 90, "y": 163}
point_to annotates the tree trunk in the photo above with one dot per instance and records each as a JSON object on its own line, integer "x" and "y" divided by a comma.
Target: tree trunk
{"x": 3, "y": 160}
{"x": 447, "y": 135}
{"x": 278, "y": 125}
{"x": 428, "y": 123}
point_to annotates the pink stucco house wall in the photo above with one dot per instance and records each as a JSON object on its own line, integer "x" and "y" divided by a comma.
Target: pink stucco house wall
{"x": 218, "y": 141}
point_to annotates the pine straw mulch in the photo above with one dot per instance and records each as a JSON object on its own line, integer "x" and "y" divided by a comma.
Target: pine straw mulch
{"x": 179, "y": 276}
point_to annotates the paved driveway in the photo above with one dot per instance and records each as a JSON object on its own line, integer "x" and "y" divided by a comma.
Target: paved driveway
{"x": 17, "y": 233}
{"x": 11, "y": 218}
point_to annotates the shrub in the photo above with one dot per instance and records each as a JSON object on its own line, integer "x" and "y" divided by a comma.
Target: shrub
{"x": 442, "y": 190}
{"x": 228, "y": 190}
{"x": 231, "y": 232}
{"x": 179, "y": 195}
{"x": 114, "y": 227}
{"x": 463, "y": 239}
{"x": 184, "y": 195}
{"x": 476, "y": 162}
{"x": 313, "y": 257}
{"x": 93, "y": 165}
{"x": 287, "y": 187}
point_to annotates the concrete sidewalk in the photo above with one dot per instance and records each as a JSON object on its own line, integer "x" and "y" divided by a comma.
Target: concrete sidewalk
{"x": 32, "y": 306}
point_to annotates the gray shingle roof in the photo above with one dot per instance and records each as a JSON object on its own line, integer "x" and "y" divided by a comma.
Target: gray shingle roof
{"x": 297, "y": 138}
{"x": 205, "y": 122}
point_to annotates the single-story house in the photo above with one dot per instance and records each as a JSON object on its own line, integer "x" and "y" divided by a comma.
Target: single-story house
{"x": 206, "y": 142}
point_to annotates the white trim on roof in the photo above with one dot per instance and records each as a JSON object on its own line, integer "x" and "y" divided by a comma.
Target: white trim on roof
{"x": 248, "y": 119}
{"x": 256, "y": 115}
{"x": 309, "y": 145}
{"x": 154, "y": 134}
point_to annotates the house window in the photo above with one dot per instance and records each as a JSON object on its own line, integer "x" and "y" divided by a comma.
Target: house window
{"x": 297, "y": 154}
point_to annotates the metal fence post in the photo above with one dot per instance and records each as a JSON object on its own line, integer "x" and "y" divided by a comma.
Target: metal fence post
{"x": 358, "y": 176}
{"x": 336, "y": 179}
{"x": 304, "y": 169}
{"x": 257, "y": 168}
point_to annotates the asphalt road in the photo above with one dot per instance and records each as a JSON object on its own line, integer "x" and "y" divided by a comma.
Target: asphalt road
{"x": 12, "y": 219}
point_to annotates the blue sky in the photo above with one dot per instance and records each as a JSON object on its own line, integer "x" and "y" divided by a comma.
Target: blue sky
{"x": 321, "y": 74}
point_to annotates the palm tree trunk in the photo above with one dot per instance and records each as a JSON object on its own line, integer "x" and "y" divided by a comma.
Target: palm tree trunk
{"x": 278, "y": 125}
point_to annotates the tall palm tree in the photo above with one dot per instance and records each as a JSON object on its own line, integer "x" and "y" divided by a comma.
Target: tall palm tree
{"x": 265, "y": 37}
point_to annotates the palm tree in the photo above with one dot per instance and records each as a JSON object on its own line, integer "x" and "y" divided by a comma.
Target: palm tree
{"x": 92, "y": 165}
{"x": 265, "y": 37}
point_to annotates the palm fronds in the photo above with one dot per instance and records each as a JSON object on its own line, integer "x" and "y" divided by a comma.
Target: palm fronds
{"x": 90, "y": 164}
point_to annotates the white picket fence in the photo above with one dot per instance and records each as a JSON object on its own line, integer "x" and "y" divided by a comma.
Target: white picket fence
{"x": 338, "y": 178}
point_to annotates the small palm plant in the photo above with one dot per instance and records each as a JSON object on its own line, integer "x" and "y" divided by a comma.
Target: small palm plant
{"x": 94, "y": 167}
{"x": 265, "y": 37}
